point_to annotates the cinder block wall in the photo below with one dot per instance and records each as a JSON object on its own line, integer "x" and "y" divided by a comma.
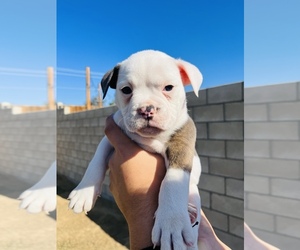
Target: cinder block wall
{"x": 78, "y": 135}
{"x": 218, "y": 114}
{"x": 28, "y": 143}
{"x": 272, "y": 163}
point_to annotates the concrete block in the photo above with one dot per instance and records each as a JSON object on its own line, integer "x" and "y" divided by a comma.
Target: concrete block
{"x": 257, "y": 148}
{"x": 201, "y": 130}
{"x": 272, "y": 168}
{"x": 109, "y": 110}
{"x": 234, "y": 242}
{"x": 90, "y": 114}
{"x": 285, "y": 111}
{"x": 212, "y": 183}
{"x": 234, "y": 111}
{"x": 102, "y": 121}
{"x": 227, "y": 168}
{"x": 235, "y": 150}
{"x": 94, "y": 122}
{"x": 235, "y": 188}
{"x": 286, "y": 149}
{"x": 82, "y": 131}
{"x": 285, "y": 188}
{"x": 256, "y": 112}
{"x": 79, "y": 123}
{"x": 288, "y": 226}
{"x": 272, "y": 131}
{"x": 271, "y": 93}
{"x": 82, "y": 115}
{"x": 260, "y": 220}
{"x": 193, "y": 100}
{"x": 205, "y": 198}
{"x": 217, "y": 219}
{"x": 274, "y": 205}
{"x": 210, "y": 148}
{"x": 209, "y": 113}
{"x": 228, "y": 205}
{"x": 98, "y": 112}
{"x": 226, "y": 130}
{"x": 204, "y": 164}
{"x": 236, "y": 226}
{"x": 86, "y": 122}
{"x": 225, "y": 93}
{"x": 256, "y": 184}
{"x": 279, "y": 240}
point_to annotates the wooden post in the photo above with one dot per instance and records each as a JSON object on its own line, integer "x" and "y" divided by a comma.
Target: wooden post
{"x": 88, "y": 87}
{"x": 50, "y": 90}
{"x": 100, "y": 101}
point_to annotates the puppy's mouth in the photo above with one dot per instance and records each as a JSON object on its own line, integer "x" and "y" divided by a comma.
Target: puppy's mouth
{"x": 150, "y": 129}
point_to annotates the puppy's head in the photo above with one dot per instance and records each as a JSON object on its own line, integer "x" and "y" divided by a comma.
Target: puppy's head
{"x": 150, "y": 90}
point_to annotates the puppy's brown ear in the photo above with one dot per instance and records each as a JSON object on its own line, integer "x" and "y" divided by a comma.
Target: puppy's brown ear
{"x": 110, "y": 80}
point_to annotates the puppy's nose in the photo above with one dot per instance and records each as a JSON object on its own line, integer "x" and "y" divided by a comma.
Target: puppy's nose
{"x": 147, "y": 112}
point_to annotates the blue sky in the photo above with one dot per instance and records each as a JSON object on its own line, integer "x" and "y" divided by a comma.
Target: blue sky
{"x": 219, "y": 37}
{"x": 99, "y": 34}
{"x": 272, "y": 42}
{"x": 28, "y": 47}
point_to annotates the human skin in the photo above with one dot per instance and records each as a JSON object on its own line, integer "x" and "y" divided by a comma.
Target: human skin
{"x": 135, "y": 177}
{"x": 253, "y": 242}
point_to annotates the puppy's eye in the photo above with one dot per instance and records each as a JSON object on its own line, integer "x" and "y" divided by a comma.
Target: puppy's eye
{"x": 168, "y": 87}
{"x": 126, "y": 90}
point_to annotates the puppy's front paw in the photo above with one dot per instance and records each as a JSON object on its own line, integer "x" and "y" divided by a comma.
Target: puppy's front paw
{"x": 37, "y": 200}
{"x": 173, "y": 230}
{"x": 83, "y": 198}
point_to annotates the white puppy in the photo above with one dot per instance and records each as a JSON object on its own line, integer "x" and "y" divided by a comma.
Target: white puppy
{"x": 152, "y": 111}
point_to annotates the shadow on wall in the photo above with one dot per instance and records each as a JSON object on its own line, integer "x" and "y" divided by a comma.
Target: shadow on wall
{"x": 272, "y": 163}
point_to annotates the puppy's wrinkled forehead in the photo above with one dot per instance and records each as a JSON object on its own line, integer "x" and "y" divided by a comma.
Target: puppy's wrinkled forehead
{"x": 151, "y": 68}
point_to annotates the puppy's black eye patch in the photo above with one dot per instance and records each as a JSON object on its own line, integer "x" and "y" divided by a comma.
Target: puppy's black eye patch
{"x": 126, "y": 90}
{"x": 168, "y": 87}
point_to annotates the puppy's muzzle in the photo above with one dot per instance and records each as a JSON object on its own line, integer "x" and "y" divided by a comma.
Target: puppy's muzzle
{"x": 147, "y": 112}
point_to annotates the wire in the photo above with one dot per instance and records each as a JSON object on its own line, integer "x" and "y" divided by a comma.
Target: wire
{"x": 76, "y": 73}
{"x": 22, "y": 72}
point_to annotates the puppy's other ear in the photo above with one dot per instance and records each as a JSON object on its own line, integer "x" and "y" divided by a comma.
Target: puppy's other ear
{"x": 110, "y": 80}
{"x": 190, "y": 74}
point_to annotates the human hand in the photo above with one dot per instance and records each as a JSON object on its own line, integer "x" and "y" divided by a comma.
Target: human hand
{"x": 135, "y": 178}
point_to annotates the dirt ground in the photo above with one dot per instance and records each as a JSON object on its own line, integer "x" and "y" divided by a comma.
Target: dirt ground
{"x": 21, "y": 230}
{"x": 77, "y": 231}
{"x": 104, "y": 228}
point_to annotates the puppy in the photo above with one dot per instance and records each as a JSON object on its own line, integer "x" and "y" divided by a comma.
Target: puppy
{"x": 152, "y": 111}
